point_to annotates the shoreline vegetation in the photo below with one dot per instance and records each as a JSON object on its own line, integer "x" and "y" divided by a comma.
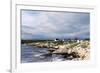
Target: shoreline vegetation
{"x": 71, "y": 49}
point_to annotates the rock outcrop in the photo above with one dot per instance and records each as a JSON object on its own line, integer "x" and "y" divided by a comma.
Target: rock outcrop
{"x": 76, "y": 51}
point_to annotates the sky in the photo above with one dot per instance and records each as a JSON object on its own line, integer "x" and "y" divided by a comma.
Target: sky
{"x": 51, "y": 25}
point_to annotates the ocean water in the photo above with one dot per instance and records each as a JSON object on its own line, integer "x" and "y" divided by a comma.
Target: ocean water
{"x": 35, "y": 54}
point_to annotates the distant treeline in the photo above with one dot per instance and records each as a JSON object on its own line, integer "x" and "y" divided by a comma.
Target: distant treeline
{"x": 31, "y": 41}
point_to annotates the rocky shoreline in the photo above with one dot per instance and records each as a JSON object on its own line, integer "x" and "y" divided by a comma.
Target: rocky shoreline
{"x": 73, "y": 51}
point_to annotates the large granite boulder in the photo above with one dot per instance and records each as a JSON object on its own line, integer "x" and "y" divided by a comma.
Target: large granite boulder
{"x": 63, "y": 49}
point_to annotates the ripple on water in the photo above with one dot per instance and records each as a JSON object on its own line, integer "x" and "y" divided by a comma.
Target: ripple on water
{"x": 35, "y": 54}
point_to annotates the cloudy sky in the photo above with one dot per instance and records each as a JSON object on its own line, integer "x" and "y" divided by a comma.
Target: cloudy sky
{"x": 51, "y": 25}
